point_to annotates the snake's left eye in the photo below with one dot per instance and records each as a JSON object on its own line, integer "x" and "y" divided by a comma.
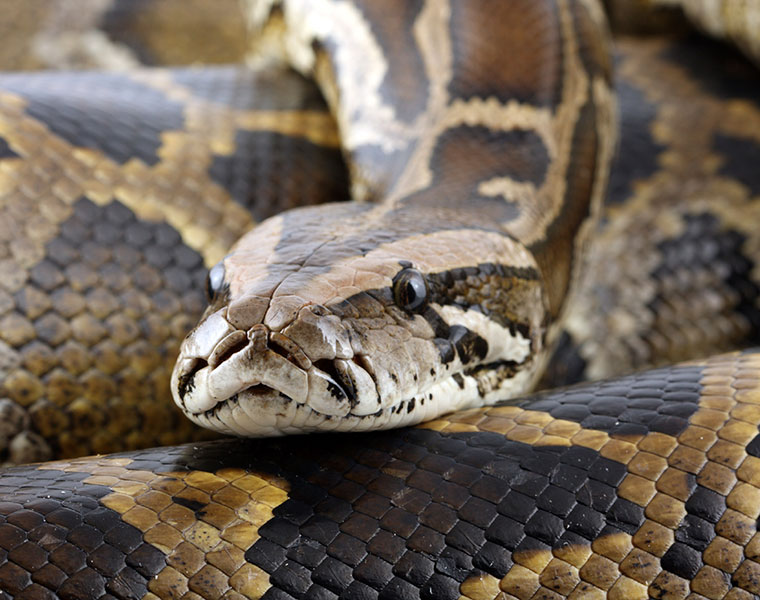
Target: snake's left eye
{"x": 410, "y": 290}
{"x": 215, "y": 281}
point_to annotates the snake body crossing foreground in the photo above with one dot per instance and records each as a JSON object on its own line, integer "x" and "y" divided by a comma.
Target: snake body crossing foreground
{"x": 642, "y": 486}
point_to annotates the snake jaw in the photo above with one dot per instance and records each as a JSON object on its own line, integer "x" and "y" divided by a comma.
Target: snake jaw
{"x": 263, "y": 383}
{"x": 263, "y": 376}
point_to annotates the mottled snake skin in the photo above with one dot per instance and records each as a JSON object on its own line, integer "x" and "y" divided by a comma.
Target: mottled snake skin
{"x": 119, "y": 189}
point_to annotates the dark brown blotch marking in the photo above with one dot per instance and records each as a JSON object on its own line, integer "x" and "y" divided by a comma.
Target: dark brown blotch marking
{"x": 469, "y": 345}
{"x": 637, "y": 156}
{"x": 77, "y": 107}
{"x": 465, "y": 156}
{"x": 270, "y": 172}
{"x": 741, "y": 155}
{"x": 714, "y": 253}
{"x": 529, "y": 36}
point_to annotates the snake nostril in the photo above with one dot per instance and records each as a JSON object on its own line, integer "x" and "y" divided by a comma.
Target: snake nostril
{"x": 319, "y": 310}
{"x": 231, "y": 345}
{"x": 286, "y": 347}
{"x": 186, "y": 382}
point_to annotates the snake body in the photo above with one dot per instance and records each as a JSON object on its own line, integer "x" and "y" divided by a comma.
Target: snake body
{"x": 643, "y": 486}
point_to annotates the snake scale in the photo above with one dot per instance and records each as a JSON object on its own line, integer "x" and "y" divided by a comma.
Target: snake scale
{"x": 121, "y": 189}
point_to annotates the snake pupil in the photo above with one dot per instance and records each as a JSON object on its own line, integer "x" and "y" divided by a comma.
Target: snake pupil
{"x": 214, "y": 281}
{"x": 410, "y": 290}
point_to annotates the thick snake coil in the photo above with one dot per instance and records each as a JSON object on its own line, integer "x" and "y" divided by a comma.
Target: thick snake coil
{"x": 477, "y": 256}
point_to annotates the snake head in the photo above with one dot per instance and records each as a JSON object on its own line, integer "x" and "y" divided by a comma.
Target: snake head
{"x": 327, "y": 319}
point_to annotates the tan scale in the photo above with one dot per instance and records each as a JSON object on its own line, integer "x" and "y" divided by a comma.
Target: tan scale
{"x": 624, "y": 566}
{"x": 205, "y": 556}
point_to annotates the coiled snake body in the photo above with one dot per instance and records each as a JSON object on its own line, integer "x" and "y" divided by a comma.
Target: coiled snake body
{"x": 485, "y": 170}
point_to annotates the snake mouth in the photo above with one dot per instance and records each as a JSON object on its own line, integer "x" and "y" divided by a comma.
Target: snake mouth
{"x": 263, "y": 371}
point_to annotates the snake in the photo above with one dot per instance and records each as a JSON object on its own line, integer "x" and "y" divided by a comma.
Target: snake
{"x": 396, "y": 306}
{"x": 367, "y": 319}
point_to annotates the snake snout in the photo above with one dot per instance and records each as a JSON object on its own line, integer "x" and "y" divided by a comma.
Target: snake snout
{"x": 240, "y": 361}
{"x": 260, "y": 381}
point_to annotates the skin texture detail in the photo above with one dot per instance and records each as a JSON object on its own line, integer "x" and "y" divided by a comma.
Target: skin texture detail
{"x": 631, "y": 315}
{"x": 642, "y": 487}
{"x": 69, "y": 318}
{"x": 102, "y": 272}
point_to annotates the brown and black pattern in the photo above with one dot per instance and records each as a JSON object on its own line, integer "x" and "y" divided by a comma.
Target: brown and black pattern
{"x": 527, "y": 166}
{"x": 108, "y": 112}
{"x": 636, "y": 157}
{"x": 559, "y": 251}
{"x": 555, "y": 251}
{"x": 689, "y": 131}
{"x": 108, "y": 177}
{"x": 533, "y": 71}
{"x": 466, "y": 156}
{"x": 645, "y": 486}
{"x": 641, "y": 487}
{"x": 392, "y": 23}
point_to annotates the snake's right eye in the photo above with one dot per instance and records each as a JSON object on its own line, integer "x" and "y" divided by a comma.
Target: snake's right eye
{"x": 215, "y": 281}
{"x": 410, "y": 290}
